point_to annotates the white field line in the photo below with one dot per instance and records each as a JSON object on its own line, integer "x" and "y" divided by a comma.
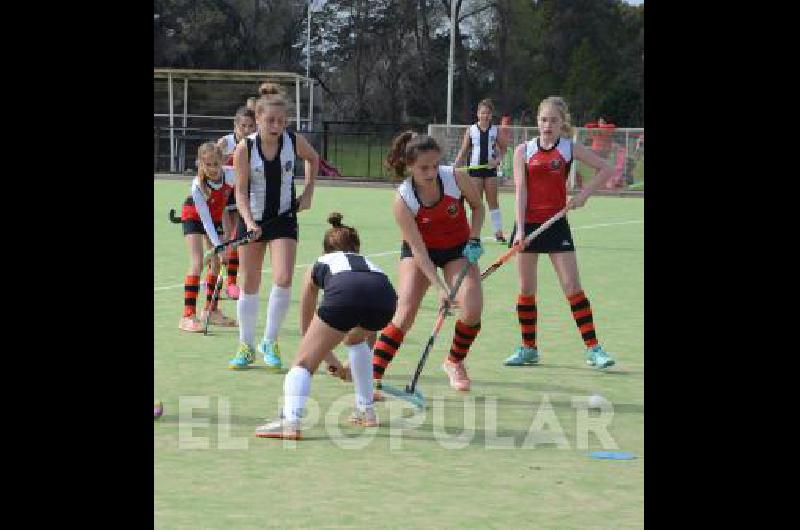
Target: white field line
{"x": 391, "y": 252}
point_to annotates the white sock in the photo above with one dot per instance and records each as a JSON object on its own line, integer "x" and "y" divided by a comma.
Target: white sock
{"x": 247, "y": 313}
{"x": 497, "y": 220}
{"x": 296, "y": 387}
{"x": 279, "y": 300}
{"x": 361, "y": 370}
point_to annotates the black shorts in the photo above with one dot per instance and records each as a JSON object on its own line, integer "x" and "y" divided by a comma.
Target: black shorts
{"x": 483, "y": 173}
{"x": 557, "y": 238}
{"x": 439, "y": 257}
{"x": 366, "y": 300}
{"x": 231, "y": 204}
{"x": 192, "y": 226}
{"x": 271, "y": 228}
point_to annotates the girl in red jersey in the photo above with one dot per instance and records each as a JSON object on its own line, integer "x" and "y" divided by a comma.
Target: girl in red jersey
{"x": 265, "y": 197}
{"x": 202, "y": 224}
{"x": 541, "y": 167}
{"x": 244, "y": 124}
{"x": 486, "y": 146}
{"x": 429, "y": 209}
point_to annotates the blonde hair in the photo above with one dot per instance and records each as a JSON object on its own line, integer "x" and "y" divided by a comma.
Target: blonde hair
{"x": 558, "y": 103}
{"x": 203, "y": 150}
{"x": 271, "y": 95}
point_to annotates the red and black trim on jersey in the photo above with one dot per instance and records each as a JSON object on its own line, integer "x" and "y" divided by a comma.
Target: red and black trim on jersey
{"x": 216, "y": 202}
{"x": 547, "y": 171}
{"x": 442, "y": 225}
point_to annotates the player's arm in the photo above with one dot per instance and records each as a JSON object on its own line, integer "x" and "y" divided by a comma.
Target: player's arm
{"x": 469, "y": 192}
{"x": 521, "y": 186}
{"x": 308, "y": 300}
{"x": 499, "y": 151}
{"x": 466, "y": 144}
{"x": 221, "y": 143}
{"x": 410, "y": 233}
{"x": 602, "y": 175}
{"x": 201, "y": 206}
{"x": 311, "y": 166}
{"x": 241, "y": 167}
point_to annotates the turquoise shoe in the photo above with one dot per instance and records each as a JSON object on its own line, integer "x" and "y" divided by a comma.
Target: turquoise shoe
{"x": 245, "y": 356}
{"x": 598, "y": 357}
{"x": 271, "y": 352}
{"x": 523, "y": 356}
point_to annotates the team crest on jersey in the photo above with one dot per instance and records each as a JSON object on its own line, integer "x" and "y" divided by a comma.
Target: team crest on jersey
{"x": 452, "y": 210}
{"x": 288, "y": 166}
{"x": 555, "y": 164}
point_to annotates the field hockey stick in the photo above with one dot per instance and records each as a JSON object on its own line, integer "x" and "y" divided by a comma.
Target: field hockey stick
{"x": 470, "y": 168}
{"x": 410, "y": 393}
{"x": 525, "y": 242}
{"x": 176, "y": 220}
{"x": 214, "y": 298}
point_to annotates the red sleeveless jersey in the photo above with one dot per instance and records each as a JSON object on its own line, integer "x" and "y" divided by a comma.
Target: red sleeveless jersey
{"x": 443, "y": 225}
{"x": 546, "y": 179}
{"x": 216, "y": 202}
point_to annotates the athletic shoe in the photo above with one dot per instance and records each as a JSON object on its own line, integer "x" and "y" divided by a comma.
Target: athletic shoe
{"x": 218, "y": 319}
{"x": 158, "y": 410}
{"x": 523, "y": 356}
{"x": 364, "y": 418}
{"x": 245, "y": 356}
{"x": 457, "y": 373}
{"x": 232, "y": 290}
{"x": 500, "y": 238}
{"x": 190, "y": 324}
{"x": 598, "y": 357}
{"x": 280, "y": 428}
{"x": 272, "y": 354}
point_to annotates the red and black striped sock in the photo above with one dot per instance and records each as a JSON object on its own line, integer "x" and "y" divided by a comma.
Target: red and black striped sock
{"x": 463, "y": 337}
{"x": 526, "y": 313}
{"x": 582, "y": 313}
{"x": 191, "y": 287}
{"x": 211, "y": 283}
{"x": 233, "y": 265}
{"x": 385, "y": 349}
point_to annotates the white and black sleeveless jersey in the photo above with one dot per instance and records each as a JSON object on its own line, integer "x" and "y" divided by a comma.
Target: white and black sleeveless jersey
{"x": 351, "y": 279}
{"x": 227, "y": 165}
{"x": 483, "y": 144}
{"x": 271, "y": 186}
{"x": 230, "y": 144}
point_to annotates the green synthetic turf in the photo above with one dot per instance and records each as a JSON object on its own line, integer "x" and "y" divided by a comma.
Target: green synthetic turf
{"x": 416, "y": 478}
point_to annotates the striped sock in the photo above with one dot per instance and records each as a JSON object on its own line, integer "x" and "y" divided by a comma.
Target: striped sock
{"x": 385, "y": 349}
{"x": 463, "y": 337}
{"x": 233, "y": 265}
{"x": 191, "y": 287}
{"x": 582, "y": 313}
{"x": 526, "y": 313}
{"x": 211, "y": 283}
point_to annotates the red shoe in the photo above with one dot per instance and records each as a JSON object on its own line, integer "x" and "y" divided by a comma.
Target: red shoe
{"x": 232, "y": 290}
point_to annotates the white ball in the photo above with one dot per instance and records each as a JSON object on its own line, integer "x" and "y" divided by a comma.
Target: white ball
{"x": 596, "y": 402}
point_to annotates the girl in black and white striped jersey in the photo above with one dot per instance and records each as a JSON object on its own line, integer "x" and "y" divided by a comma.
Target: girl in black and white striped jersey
{"x": 486, "y": 146}
{"x": 358, "y": 299}
{"x": 265, "y": 197}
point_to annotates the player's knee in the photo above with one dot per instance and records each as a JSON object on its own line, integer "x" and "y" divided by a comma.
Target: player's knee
{"x": 283, "y": 280}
